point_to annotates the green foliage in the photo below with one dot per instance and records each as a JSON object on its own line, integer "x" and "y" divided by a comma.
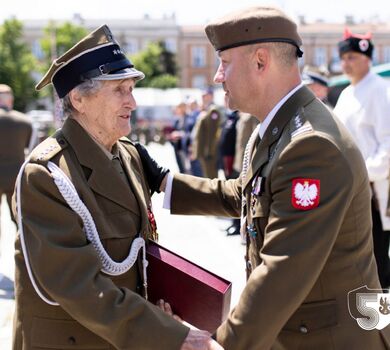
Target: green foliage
{"x": 164, "y": 81}
{"x": 16, "y": 63}
{"x": 59, "y": 39}
{"x": 159, "y": 66}
{"x": 55, "y": 42}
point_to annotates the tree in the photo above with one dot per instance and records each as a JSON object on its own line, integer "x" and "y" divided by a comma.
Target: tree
{"x": 16, "y": 63}
{"x": 159, "y": 66}
{"x": 59, "y": 39}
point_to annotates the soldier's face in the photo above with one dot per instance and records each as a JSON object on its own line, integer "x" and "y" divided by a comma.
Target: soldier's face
{"x": 235, "y": 76}
{"x": 107, "y": 112}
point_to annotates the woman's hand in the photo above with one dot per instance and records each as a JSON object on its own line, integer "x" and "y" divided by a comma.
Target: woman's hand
{"x": 166, "y": 307}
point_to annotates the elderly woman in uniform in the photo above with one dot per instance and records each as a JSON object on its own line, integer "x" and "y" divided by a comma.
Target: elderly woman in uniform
{"x": 82, "y": 204}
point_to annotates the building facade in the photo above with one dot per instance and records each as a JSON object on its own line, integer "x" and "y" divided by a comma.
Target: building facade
{"x": 197, "y": 60}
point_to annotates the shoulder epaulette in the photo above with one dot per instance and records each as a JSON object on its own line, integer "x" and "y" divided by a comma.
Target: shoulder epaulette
{"x": 299, "y": 124}
{"x": 49, "y": 148}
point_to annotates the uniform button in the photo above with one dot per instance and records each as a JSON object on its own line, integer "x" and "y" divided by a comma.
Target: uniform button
{"x": 61, "y": 142}
{"x": 303, "y": 329}
{"x": 72, "y": 340}
{"x": 275, "y": 130}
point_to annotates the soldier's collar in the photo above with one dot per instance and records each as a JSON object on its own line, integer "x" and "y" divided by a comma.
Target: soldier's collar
{"x": 268, "y": 119}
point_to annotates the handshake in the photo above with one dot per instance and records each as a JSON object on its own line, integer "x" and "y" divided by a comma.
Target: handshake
{"x": 155, "y": 173}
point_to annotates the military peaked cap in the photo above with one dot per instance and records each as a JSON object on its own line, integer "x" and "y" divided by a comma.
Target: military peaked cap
{"x": 97, "y": 56}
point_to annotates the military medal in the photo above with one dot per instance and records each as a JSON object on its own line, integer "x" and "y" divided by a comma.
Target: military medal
{"x": 153, "y": 224}
{"x": 256, "y": 185}
{"x": 251, "y": 230}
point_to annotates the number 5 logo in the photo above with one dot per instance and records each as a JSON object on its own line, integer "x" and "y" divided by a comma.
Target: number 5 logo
{"x": 369, "y": 307}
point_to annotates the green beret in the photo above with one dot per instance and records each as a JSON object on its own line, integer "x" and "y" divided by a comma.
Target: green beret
{"x": 253, "y": 25}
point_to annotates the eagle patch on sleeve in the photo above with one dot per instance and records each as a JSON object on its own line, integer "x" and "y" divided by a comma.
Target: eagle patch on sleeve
{"x": 305, "y": 193}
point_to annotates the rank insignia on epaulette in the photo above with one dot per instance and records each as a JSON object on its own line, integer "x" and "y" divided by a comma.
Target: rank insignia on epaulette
{"x": 300, "y": 125}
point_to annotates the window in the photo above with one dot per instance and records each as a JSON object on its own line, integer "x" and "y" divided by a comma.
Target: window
{"x": 320, "y": 57}
{"x": 335, "y": 64}
{"x": 386, "y": 54}
{"x": 375, "y": 58}
{"x": 198, "y": 81}
{"x": 171, "y": 45}
{"x": 131, "y": 47}
{"x": 37, "y": 50}
{"x": 198, "y": 56}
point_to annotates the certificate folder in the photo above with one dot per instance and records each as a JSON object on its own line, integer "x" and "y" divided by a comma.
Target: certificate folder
{"x": 198, "y": 296}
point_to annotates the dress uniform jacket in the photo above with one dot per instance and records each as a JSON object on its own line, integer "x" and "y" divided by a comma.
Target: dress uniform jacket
{"x": 15, "y": 134}
{"x": 301, "y": 263}
{"x": 95, "y": 311}
{"x": 206, "y": 133}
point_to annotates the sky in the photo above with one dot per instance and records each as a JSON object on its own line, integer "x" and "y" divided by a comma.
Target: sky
{"x": 190, "y": 12}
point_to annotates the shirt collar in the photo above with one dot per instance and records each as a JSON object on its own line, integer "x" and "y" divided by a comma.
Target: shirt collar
{"x": 268, "y": 119}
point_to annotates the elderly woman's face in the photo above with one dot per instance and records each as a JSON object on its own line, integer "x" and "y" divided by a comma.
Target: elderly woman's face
{"x": 106, "y": 113}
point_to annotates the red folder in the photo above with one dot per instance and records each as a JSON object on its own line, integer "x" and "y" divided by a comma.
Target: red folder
{"x": 198, "y": 296}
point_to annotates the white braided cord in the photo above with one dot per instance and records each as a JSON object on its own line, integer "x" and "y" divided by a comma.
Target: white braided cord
{"x": 68, "y": 191}
{"x": 245, "y": 166}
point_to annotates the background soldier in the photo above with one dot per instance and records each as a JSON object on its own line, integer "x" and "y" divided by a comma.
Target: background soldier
{"x": 15, "y": 137}
{"x": 206, "y": 134}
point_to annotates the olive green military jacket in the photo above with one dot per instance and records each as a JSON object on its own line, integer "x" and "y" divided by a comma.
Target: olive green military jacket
{"x": 306, "y": 248}
{"x": 15, "y": 134}
{"x": 95, "y": 311}
{"x": 206, "y": 136}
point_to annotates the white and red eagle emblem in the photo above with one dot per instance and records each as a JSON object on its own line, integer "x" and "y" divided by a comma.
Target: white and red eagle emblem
{"x": 305, "y": 193}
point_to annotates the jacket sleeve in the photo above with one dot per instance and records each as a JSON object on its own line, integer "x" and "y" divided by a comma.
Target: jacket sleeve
{"x": 67, "y": 269}
{"x": 192, "y": 195}
{"x": 294, "y": 240}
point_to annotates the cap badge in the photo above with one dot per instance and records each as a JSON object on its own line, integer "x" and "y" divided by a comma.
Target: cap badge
{"x": 305, "y": 193}
{"x": 363, "y": 45}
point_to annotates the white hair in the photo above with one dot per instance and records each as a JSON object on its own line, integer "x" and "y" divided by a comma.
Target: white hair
{"x": 86, "y": 88}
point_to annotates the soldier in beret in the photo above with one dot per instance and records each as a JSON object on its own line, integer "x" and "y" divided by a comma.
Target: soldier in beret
{"x": 304, "y": 194}
{"x": 83, "y": 209}
{"x": 364, "y": 108}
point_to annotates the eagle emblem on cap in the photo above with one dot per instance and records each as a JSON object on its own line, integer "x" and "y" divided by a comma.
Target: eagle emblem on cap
{"x": 305, "y": 193}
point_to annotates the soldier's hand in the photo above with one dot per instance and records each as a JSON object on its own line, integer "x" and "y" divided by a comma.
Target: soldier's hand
{"x": 199, "y": 340}
{"x": 155, "y": 173}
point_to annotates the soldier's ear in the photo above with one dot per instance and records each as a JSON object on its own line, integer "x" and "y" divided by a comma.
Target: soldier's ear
{"x": 77, "y": 101}
{"x": 262, "y": 58}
